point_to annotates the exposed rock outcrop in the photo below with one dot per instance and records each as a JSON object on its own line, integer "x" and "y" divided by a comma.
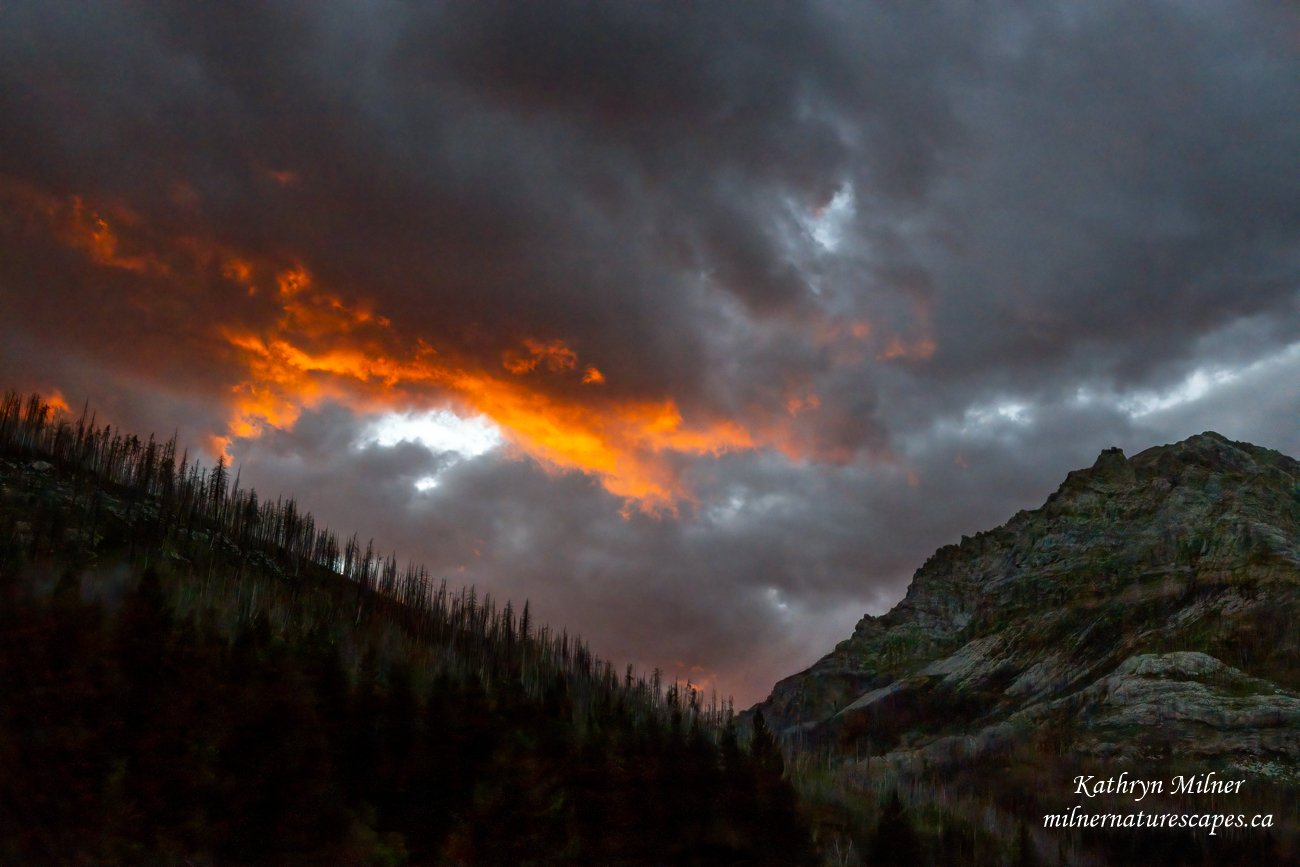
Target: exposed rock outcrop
{"x": 1148, "y": 606}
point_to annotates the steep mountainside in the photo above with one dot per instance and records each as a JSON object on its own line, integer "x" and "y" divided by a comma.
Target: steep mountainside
{"x": 1147, "y": 608}
{"x": 191, "y": 674}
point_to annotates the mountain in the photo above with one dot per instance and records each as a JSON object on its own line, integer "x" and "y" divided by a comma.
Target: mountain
{"x": 191, "y": 674}
{"x": 1142, "y": 619}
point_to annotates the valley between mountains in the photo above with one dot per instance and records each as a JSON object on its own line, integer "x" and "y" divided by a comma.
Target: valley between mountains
{"x": 195, "y": 674}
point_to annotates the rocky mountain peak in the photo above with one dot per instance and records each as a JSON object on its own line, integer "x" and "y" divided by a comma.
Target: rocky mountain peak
{"x": 1187, "y": 548}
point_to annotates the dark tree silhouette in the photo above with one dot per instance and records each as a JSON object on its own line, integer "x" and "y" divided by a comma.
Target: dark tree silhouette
{"x": 260, "y": 693}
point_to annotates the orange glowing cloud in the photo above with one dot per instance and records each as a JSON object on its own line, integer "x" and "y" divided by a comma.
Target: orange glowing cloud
{"x": 698, "y": 679}
{"x": 625, "y": 444}
{"x": 311, "y": 345}
{"x": 55, "y": 400}
{"x": 238, "y": 270}
{"x": 919, "y": 348}
{"x": 832, "y": 331}
{"x": 283, "y": 177}
{"x": 915, "y": 350}
{"x": 798, "y": 403}
{"x": 554, "y": 354}
{"x": 79, "y": 226}
{"x": 323, "y": 349}
{"x": 848, "y": 341}
{"x": 86, "y": 229}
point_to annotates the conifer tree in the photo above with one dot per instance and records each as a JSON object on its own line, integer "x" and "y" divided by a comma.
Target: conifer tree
{"x": 895, "y": 841}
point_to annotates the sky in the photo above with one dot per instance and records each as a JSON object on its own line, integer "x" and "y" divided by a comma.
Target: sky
{"x": 699, "y": 325}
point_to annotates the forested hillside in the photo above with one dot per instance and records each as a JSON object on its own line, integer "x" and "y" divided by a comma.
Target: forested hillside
{"x": 191, "y": 674}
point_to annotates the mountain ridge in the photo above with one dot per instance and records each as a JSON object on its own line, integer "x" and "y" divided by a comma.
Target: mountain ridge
{"x": 191, "y": 674}
{"x": 1189, "y": 548}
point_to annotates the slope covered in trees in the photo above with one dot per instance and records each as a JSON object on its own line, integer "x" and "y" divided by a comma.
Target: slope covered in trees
{"x": 189, "y": 673}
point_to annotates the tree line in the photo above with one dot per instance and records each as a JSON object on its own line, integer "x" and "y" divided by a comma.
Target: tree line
{"x": 261, "y": 692}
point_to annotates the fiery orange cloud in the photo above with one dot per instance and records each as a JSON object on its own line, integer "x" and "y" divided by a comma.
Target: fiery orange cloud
{"x": 237, "y": 269}
{"x": 79, "y": 226}
{"x": 319, "y": 347}
{"x": 322, "y": 348}
{"x": 798, "y": 403}
{"x": 624, "y": 444}
{"x": 53, "y": 398}
{"x": 554, "y": 354}
{"x": 697, "y": 678}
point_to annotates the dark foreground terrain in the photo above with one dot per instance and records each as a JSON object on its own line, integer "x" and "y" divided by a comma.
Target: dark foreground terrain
{"x": 191, "y": 675}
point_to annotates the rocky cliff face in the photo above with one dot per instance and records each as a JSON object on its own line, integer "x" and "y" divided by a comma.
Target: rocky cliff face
{"x": 1148, "y": 606}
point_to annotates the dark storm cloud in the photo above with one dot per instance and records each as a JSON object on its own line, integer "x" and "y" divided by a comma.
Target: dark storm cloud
{"x": 1057, "y": 212}
{"x": 512, "y": 169}
{"x": 1130, "y": 198}
{"x": 656, "y": 592}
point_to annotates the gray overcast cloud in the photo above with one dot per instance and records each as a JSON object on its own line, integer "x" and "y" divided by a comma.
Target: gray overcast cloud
{"x": 700, "y": 325}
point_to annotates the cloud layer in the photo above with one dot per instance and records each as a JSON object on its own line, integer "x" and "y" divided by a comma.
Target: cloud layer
{"x": 766, "y": 303}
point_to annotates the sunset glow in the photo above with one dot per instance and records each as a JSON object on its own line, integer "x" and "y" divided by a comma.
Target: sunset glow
{"x": 638, "y": 310}
{"x": 325, "y": 349}
{"x": 363, "y": 363}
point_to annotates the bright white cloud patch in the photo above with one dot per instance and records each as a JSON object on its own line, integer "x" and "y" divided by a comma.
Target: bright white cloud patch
{"x": 1193, "y": 388}
{"x": 775, "y": 598}
{"x": 1204, "y": 382}
{"x": 729, "y": 510}
{"x": 440, "y": 431}
{"x": 994, "y": 416}
{"x": 827, "y": 223}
